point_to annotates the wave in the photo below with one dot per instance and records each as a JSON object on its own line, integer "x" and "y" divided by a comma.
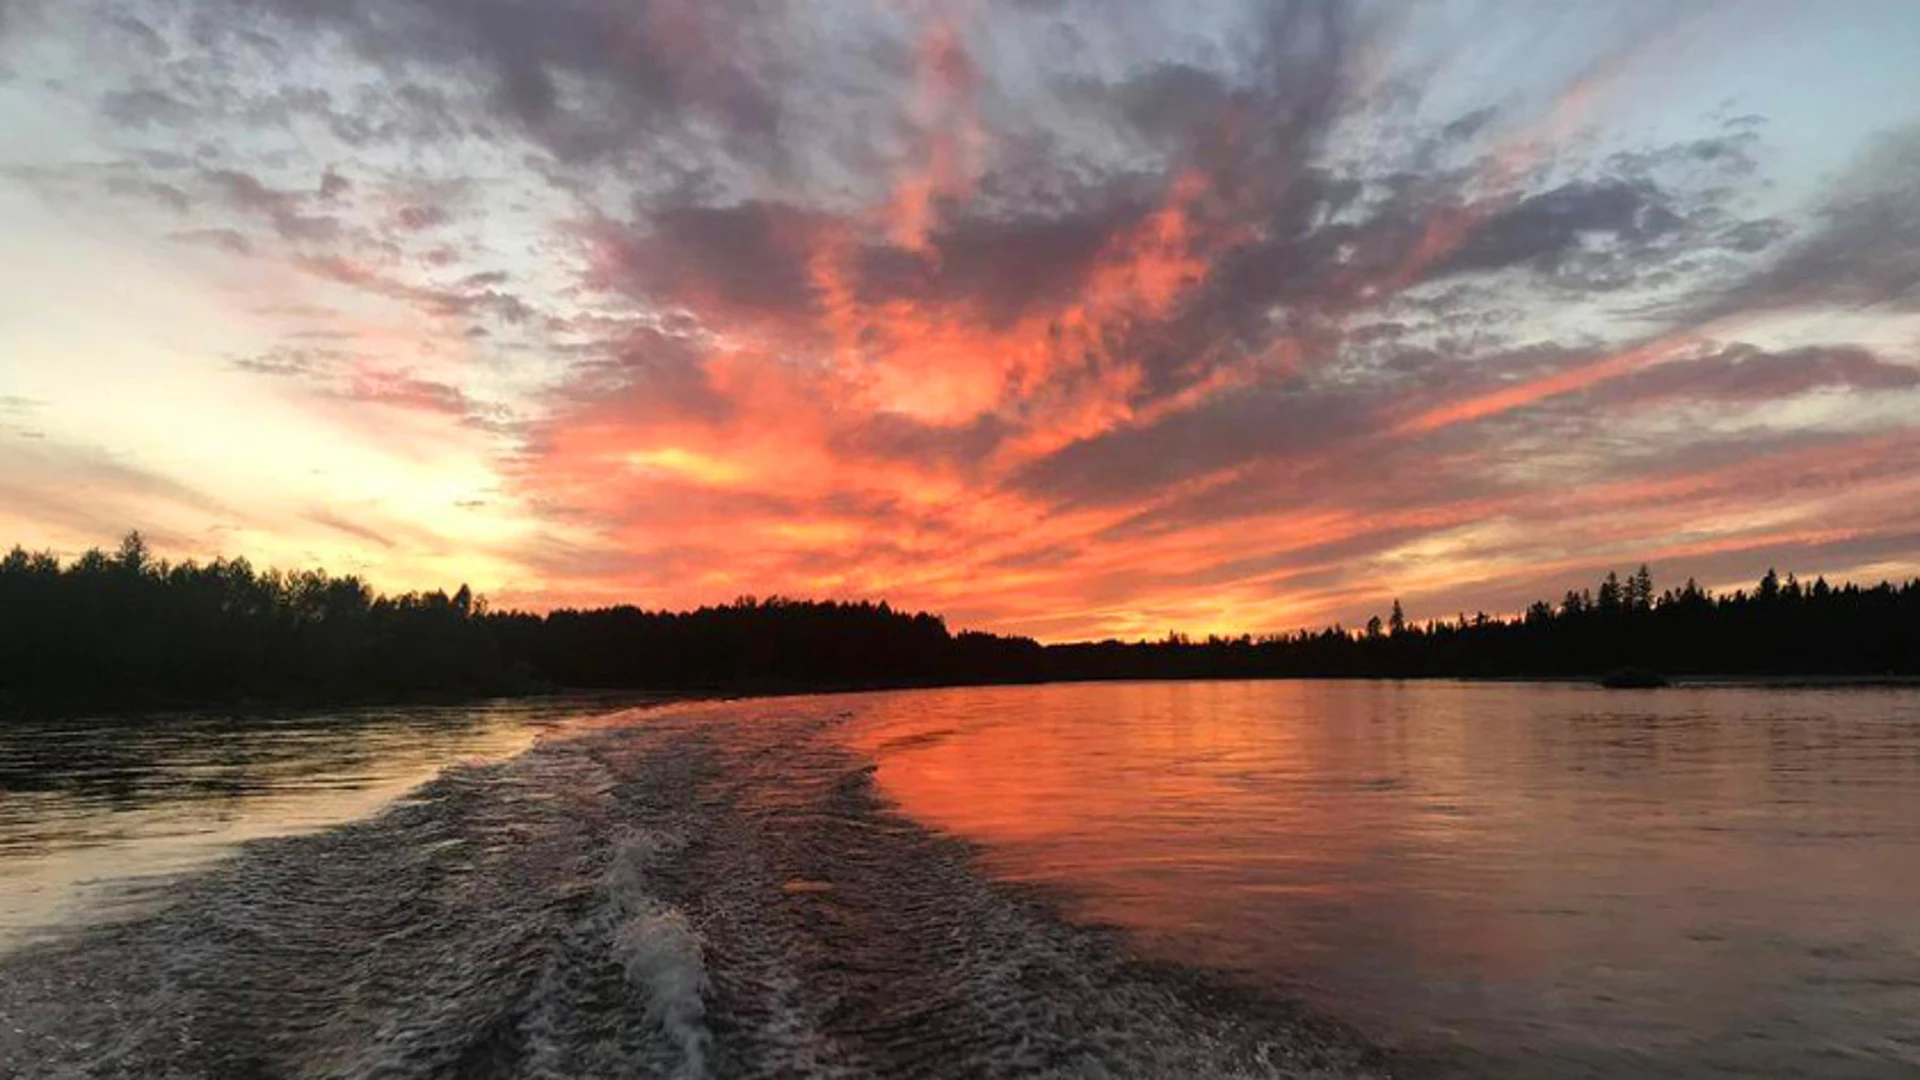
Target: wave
{"x": 694, "y": 894}
{"x": 659, "y": 950}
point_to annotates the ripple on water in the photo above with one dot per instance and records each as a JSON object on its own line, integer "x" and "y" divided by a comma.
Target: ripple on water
{"x": 690, "y": 896}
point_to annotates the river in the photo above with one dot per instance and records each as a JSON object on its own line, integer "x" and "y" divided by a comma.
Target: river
{"x": 1485, "y": 879}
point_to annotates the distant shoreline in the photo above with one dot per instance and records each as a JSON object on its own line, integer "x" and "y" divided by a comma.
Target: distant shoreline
{"x": 1799, "y": 682}
{"x": 127, "y": 632}
{"x": 10, "y": 711}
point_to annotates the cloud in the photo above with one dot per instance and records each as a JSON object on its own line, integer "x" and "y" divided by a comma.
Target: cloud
{"x": 89, "y": 494}
{"x": 143, "y": 109}
{"x": 1266, "y": 423}
{"x": 404, "y": 391}
{"x": 285, "y": 209}
{"x": 1542, "y": 230}
{"x": 418, "y": 218}
{"x": 747, "y": 261}
{"x": 350, "y": 528}
{"x": 1061, "y": 315}
{"x": 1863, "y": 248}
{"x": 1741, "y": 373}
{"x": 231, "y": 241}
{"x": 343, "y": 375}
{"x": 583, "y": 80}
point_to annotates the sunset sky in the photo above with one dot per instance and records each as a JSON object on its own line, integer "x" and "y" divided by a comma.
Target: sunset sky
{"x": 1060, "y": 317}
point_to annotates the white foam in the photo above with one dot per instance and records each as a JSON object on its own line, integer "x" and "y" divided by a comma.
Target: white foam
{"x": 660, "y": 950}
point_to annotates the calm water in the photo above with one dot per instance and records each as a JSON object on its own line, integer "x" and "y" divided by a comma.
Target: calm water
{"x": 1507, "y": 879}
{"x": 97, "y": 816}
{"x": 1503, "y": 880}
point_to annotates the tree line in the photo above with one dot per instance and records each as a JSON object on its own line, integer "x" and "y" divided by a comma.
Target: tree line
{"x": 1780, "y": 627}
{"x": 126, "y": 629}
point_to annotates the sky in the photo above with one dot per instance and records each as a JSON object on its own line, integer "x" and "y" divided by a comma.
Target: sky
{"x": 1067, "y": 318}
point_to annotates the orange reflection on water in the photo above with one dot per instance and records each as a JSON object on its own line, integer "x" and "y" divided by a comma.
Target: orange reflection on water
{"x": 1166, "y": 807}
{"x": 1546, "y": 868}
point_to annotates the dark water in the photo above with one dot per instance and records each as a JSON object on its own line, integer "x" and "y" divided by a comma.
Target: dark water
{"x": 1503, "y": 880}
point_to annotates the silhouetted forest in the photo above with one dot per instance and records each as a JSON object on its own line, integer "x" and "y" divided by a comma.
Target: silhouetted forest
{"x": 126, "y": 629}
{"x": 1780, "y": 627}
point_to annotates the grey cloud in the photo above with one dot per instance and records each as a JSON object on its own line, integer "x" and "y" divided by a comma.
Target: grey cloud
{"x": 142, "y": 109}
{"x": 1318, "y": 564}
{"x": 248, "y": 193}
{"x": 1863, "y": 248}
{"x": 1352, "y": 476}
{"x": 645, "y": 374}
{"x": 1752, "y": 237}
{"x": 744, "y": 260}
{"x": 293, "y": 362}
{"x": 460, "y": 301}
{"x": 1169, "y": 101}
{"x": 1002, "y": 268}
{"x": 1726, "y": 154}
{"x": 1032, "y": 245}
{"x": 418, "y": 217}
{"x": 342, "y": 375}
{"x": 1266, "y": 422}
{"x": 139, "y": 35}
{"x": 627, "y": 68}
{"x": 1644, "y": 218}
{"x": 333, "y": 185}
{"x": 1745, "y": 373}
{"x": 405, "y": 391}
{"x": 285, "y": 209}
{"x": 1542, "y": 229}
{"x": 1469, "y": 125}
{"x": 167, "y": 195}
{"x": 231, "y": 241}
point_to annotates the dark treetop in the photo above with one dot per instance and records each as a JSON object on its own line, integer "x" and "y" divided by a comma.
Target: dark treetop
{"x": 127, "y": 630}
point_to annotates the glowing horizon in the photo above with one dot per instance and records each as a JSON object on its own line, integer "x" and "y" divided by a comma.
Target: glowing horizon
{"x": 1054, "y": 319}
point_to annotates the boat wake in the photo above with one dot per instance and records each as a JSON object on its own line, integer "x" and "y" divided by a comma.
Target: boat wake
{"x": 683, "y": 894}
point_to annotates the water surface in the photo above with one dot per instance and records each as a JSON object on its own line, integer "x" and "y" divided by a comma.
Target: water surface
{"x": 700, "y": 891}
{"x": 1502, "y": 880}
{"x": 98, "y": 814}
{"x": 1507, "y": 879}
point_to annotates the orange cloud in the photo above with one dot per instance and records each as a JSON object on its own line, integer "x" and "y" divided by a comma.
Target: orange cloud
{"x": 948, "y": 87}
{"x": 860, "y": 302}
{"x": 1481, "y": 406}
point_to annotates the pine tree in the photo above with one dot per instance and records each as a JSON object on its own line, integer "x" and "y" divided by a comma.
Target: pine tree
{"x": 1611, "y": 597}
{"x": 1640, "y": 589}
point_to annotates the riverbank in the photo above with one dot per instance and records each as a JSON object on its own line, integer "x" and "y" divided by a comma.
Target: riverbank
{"x": 686, "y": 894}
